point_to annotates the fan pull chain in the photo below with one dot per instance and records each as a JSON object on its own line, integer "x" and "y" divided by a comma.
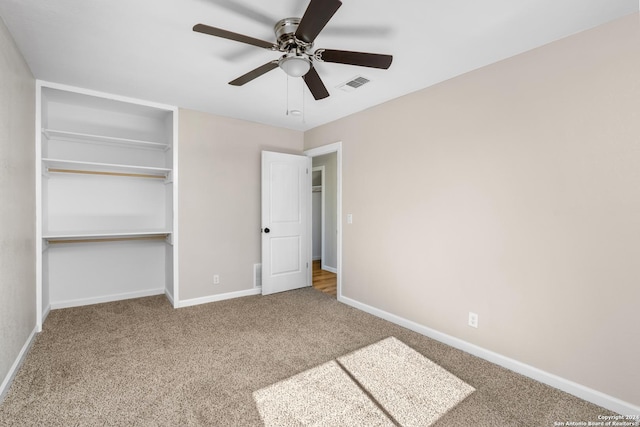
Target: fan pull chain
{"x": 287, "y": 113}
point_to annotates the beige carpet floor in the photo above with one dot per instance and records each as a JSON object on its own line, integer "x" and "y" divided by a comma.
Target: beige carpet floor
{"x": 142, "y": 363}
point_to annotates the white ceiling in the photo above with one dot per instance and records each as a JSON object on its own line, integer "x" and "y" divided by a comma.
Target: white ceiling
{"x": 147, "y": 49}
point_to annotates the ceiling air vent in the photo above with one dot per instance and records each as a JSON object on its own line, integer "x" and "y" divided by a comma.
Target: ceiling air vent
{"x": 354, "y": 83}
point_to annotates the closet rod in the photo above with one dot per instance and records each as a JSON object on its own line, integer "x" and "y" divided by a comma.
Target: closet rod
{"x": 109, "y": 239}
{"x": 136, "y": 175}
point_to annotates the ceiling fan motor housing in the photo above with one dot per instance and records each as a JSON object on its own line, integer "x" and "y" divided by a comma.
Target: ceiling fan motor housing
{"x": 285, "y": 31}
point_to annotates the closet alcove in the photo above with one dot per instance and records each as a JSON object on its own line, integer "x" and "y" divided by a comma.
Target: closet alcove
{"x": 106, "y": 193}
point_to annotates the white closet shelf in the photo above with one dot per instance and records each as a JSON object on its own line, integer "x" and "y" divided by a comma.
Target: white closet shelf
{"x": 104, "y": 236}
{"x": 72, "y": 166}
{"x": 100, "y": 139}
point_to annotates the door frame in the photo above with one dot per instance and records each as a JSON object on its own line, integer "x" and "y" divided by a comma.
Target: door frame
{"x": 322, "y": 212}
{"x": 335, "y": 147}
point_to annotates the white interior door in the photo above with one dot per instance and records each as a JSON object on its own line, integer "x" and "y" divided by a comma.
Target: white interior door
{"x": 286, "y": 192}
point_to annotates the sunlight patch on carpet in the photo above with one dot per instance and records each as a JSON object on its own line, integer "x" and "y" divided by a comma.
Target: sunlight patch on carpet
{"x": 322, "y": 396}
{"x": 384, "y": 383}
{"x": 412, "y": 388}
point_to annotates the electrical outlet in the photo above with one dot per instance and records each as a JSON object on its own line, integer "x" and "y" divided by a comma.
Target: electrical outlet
{"x": 216, "y": 279}
{"x": 473, "y": 320}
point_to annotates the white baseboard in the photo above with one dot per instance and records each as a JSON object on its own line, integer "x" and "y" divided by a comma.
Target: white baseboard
{"x": 218, "y": 297}
{"x": 170, "y": 298}
{"x": 4, "y": 387}
{"x": 106, "y": 298}
{"x": 45, "y": 313}
{"x": 590, "y": 395}
{"x": 330, "y": 269}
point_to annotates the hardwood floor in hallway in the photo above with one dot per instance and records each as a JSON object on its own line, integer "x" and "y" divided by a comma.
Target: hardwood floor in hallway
{"x": 324, "y": 281}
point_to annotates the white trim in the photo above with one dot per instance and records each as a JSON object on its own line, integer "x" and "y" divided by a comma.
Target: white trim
{"x": 308, "y": 205}
{"x": 107, "y": 298}
{"x": 218, "y": 297}
{"x": 330, "y": 269}
{"x": 45, "y": 313}
{"x": 176, "y": 186}
{"x": 335, "y": 147}
{"x": 169, "y": 297}
{"x": 578, "y": 390}
{"x": 323, "y": 200}
{"x": 8, "y": 379}
{"x": 38, "y": 190}
{"x": 84, "y": 91}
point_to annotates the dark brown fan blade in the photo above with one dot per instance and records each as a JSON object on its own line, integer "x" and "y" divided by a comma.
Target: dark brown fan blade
{"x": 218, "y": 32}
{"x": 315, "y": 85}
{"x": 318, "y": 13}
{"x": 254, "y": 73}
{"x": 373, "y": 60}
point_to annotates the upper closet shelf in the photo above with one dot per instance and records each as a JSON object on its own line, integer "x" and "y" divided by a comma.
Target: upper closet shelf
{"x": 91, "y": 168}
{"x": 99, "y": 139}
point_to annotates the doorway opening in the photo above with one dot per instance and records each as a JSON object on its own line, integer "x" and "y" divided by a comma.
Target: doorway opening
{"x": 324, "y": 277}
{"x": 326, "y": 233}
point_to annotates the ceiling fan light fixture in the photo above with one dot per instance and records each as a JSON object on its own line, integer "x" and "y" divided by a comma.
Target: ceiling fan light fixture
{"x": 295, "y": 65}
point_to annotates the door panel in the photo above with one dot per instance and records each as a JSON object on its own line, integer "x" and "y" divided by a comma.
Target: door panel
{"x": 287, "y": 260}
{"x": 286, "y": 191}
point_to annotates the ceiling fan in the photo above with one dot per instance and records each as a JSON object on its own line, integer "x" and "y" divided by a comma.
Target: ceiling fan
{"x": 294, "y": 38}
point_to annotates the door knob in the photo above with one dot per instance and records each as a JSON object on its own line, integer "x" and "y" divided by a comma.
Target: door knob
{"x": 266, "y": 230}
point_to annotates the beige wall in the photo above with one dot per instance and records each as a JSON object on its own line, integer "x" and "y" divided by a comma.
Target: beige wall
{"x": 512, "y": 191}
{"x": 17, "y": 202}
{"x": 219, "y": 199}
